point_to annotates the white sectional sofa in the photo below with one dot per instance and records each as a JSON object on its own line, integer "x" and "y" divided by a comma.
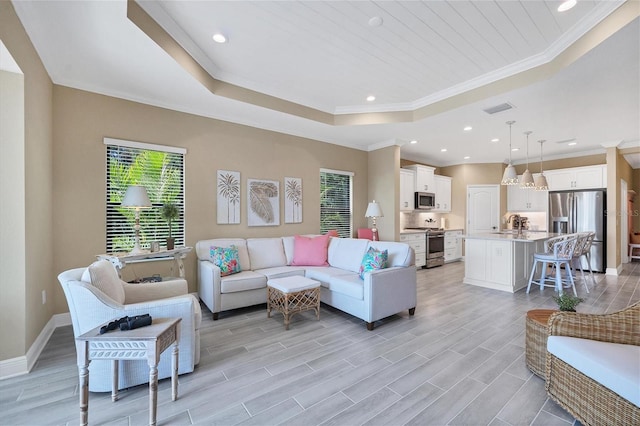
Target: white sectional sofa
{"x": 380, "y": 294}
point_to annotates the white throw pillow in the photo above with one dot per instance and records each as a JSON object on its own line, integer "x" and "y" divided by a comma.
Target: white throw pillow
{"x": 105, "y": 278}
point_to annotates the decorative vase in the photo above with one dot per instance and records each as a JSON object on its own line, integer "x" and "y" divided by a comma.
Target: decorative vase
{"x": 170, "y": 243}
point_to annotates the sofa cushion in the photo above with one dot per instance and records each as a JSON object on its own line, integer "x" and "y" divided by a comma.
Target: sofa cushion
{"x": 266, "y": 253}
{"x": 281, "y": 272}
{"x": 372, "y": 260}
{"x": 245, "y": 280}
{"x": 288, "y": 243}
{"x": 324, "y": 273}
{"x": 399, "y": 254}
{"x": 310, "y": 251}
{"x": 347, "y": 253}
{"x": 613, "y": 365}
{"x": 203, "y": 250}
{"x": 226, "y": 258}
{"x": 350, "y": 285}
{"x": 105, "y": 278}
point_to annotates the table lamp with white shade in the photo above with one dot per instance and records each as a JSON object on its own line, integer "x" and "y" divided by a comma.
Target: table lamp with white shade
{"x": 136, "y": 198}
{"x": 374, "y": 211}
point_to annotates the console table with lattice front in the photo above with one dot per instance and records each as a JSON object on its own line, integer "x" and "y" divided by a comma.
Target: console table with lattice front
{"x": 144, "y": 343}
{"x": 291, "y": 295}
{"x": 120, "y": 260}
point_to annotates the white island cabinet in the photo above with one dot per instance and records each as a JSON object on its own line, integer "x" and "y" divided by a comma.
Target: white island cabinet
{"x": 501, "y": 261}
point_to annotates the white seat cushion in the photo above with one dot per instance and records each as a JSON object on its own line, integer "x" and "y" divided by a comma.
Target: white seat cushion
{"x": 350, "y": 285}
{"x": 324, "y": 273}
{"x": 281, "y": 272}
{"x": 245, "y": 280}
{"x": 613, "y": 365}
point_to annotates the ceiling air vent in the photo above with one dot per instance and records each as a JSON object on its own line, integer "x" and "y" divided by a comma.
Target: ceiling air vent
{"x": 498, "y": 108}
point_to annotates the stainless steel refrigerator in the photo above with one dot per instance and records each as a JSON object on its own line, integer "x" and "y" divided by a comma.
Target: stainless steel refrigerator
{"x": 581, "y": 211}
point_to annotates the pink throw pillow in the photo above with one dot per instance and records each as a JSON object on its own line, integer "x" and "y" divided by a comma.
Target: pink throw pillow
{"x": 310, "y": 251}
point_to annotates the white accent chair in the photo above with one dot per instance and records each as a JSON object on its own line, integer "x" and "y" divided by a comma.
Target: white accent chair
{"x": 96, "y": 296}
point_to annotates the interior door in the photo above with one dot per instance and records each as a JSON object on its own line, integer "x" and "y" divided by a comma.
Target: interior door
{"x": 483, "y": 208}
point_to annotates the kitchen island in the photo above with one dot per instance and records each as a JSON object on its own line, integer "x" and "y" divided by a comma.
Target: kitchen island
{"x": 501, "y": 260}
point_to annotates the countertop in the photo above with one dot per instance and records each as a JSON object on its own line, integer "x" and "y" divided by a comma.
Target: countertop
{"x": 422, "y": 231}
{"x": 527, "y": 237}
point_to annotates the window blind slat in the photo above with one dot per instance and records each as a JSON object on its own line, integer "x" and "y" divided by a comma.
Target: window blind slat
{"x": 335, "y": 202}
{"x": 162, "y": 174}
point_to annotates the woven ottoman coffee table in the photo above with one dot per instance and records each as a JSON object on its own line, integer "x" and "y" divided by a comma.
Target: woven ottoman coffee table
{"x": 291, "y": 295}
{"x": 536, "y": 340}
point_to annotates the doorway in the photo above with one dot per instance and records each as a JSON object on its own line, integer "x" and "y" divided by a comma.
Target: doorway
{"x": 483, "y": 208}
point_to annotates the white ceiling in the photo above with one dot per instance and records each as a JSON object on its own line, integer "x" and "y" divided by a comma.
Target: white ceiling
{"x": 324, "y": 55}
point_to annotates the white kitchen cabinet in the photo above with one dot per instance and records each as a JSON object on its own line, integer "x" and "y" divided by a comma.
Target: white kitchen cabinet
{"x": 417, "y": 241}
{"x": 500, "y": 264}
{"x": 526, "y": 200}
{"x": 443, "y": 193}
{"x": 588, "y": 177}
{"x": 452, "y": 246}
{"x": 424, "y": 177}
{"x": 407, "y": 189}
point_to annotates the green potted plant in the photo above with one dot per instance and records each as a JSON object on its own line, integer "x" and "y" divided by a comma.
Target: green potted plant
{"x": 567, "y": 302}
{"x": 169, "y": 212}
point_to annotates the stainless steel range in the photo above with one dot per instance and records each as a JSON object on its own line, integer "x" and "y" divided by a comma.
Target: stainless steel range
{"x": 435, "y": 246}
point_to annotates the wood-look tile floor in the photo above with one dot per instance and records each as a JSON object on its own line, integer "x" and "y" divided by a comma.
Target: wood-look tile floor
{"x": 458, "y": 361}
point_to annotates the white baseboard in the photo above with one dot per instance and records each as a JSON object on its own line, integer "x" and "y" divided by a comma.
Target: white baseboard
{"x": 614, "y": 271}
{"x": 23, "y": 364}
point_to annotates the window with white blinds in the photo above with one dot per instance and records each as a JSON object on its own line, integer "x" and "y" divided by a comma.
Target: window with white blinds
{"x": 335, "y": 202}
{"x": 160, "y": 169}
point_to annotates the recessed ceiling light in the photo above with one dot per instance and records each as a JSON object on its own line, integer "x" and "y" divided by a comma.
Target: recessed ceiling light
{"x": 572, "y": 143}
{"x": 443, "y": 150}
{"x": 413, "y": 141}
{"x": 371, "y": 98}
{"x": 467, "y": 128}
{"x": 466, "y": 157}
{"x": 495, "y": 140}
{"x": 515, "y": 149}
{"x": 566, "y": 5}
{"x": 219, "y": 38}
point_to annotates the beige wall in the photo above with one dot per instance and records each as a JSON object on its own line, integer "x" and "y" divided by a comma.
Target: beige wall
{"x": 12, "y": 214}
{"x": 384, "y": 187}
{"x": 34, "y": 272}
{"x": 470, "y": 174}
{"x": 83, "y": 119}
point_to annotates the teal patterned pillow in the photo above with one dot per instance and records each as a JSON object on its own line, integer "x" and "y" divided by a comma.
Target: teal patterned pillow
{"x": 225, "y": 258}
{"x": 372, "y": 260}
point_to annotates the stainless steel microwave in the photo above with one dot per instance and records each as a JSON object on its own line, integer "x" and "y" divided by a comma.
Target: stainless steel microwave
{"x": 425, "y": 200}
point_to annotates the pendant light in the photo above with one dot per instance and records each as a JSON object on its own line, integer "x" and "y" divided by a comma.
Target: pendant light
{"x": 510, "y": 177}
{"x": 527, "y": 178}
{"x": 541, "y": 180}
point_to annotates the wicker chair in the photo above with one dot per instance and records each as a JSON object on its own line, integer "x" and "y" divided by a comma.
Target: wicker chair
{"x": 584, "y": 398}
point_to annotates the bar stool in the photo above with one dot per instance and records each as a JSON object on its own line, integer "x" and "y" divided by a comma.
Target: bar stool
{"x": 561, "y": 253}
{"x": 631, "y": 255}
{"x": 583, "y": 249}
